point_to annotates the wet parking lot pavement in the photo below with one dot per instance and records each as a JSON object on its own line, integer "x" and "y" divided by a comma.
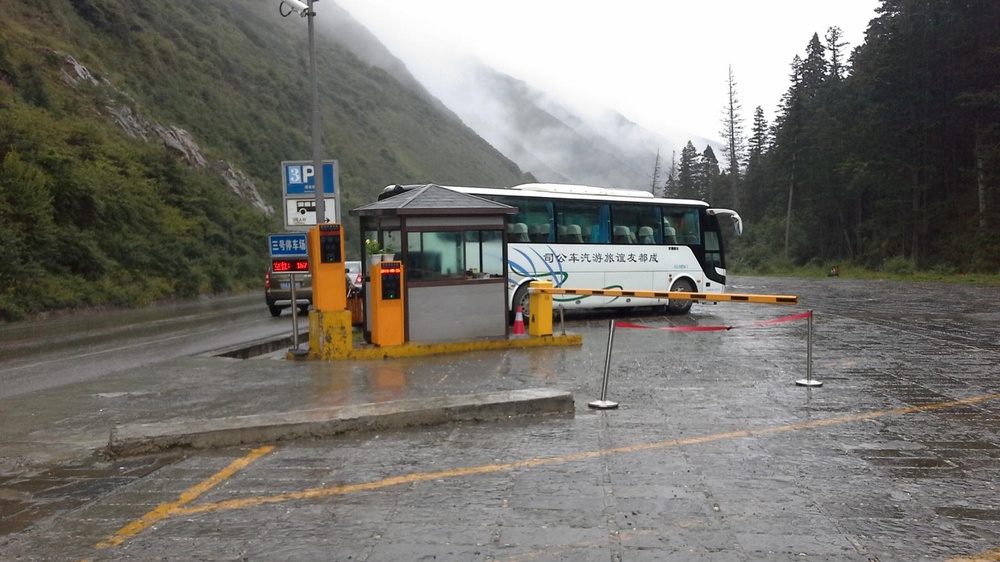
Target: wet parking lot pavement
{"x": 713, "y": 454}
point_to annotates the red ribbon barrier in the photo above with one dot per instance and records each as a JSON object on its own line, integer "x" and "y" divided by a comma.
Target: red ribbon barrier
{"x": 791, "y": 318}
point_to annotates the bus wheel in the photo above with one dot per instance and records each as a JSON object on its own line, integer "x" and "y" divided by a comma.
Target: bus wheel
{"x": 521, "y": 298}
{"x": 677, "y": 306}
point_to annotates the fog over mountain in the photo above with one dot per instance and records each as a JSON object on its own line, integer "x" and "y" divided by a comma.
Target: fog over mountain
{"x": 545, "y": 137}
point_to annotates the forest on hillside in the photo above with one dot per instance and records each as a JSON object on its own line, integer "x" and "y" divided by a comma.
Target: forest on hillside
{"x": 887, "y": 157}
{"x": 98, "y": 211}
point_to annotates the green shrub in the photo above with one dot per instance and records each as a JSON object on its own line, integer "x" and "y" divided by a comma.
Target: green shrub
{"x": 899, "y": 266}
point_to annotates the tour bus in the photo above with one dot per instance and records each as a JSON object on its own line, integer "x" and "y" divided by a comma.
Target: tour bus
{"x": 585, "y": 237}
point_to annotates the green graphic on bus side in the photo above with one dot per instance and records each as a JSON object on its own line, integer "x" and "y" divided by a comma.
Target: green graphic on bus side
{"x": 558, "y": 277}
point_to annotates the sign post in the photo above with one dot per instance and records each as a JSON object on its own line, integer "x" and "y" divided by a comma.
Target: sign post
{"x": 289, "y": 253}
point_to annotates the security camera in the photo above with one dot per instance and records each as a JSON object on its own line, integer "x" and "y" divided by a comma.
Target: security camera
{"x": 297, "y": 6}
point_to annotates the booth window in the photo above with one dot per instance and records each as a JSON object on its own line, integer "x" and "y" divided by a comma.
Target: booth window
{"x": 387, "y": 239}
{"x": 454, "y": 255}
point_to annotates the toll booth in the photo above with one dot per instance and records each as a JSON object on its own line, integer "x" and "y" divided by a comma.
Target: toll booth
{"x": 450, "y": 252}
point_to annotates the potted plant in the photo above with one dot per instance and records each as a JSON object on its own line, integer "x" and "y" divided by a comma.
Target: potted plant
{"x": 375, "y": 251}
{"x": 388, "y": 254}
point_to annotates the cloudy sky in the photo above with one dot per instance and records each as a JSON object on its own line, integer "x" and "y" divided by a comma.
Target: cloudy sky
{"x": 661, "y": 63}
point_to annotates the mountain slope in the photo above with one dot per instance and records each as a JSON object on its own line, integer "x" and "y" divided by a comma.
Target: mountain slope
{"x": 112, "y": 217}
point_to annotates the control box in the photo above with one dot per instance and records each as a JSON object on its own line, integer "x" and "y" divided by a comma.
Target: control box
{"x": 392, "y": 282}
{"x": 326, "y": 262}
{"x": 387, "y": 310}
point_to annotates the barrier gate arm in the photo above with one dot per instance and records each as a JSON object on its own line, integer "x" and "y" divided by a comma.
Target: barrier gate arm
{"x": 730, "y": 297}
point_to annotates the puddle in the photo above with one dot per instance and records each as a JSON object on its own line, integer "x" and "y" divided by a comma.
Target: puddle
{"x": 969, "y": 513}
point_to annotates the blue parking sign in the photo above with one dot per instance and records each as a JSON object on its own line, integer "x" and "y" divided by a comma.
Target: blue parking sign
{"x": 288, "y": 245}
{"x": 300, "y": 178}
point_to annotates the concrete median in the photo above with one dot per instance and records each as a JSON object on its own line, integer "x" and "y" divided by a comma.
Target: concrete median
{"x": 150, "y": 438}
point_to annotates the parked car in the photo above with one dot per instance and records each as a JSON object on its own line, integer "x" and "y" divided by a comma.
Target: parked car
{"x": 355, "y": 278}
{"x": 278, "y": 288}
{"x": 278, "y": 291}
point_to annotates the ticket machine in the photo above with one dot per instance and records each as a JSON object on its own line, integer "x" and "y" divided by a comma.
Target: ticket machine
{"x": 387, "y": 320}
{"x": 326, "y": 262}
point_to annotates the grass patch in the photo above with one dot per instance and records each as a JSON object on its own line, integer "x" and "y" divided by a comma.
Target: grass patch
{"x": 895, "y": 272}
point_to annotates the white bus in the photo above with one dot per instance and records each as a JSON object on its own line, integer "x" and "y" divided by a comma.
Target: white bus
{"x": 586, "y": 237}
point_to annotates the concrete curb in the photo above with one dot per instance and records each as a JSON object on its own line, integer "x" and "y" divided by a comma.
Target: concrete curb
{"x": 328, "y": 351}
{"x": 151, "y": 438}
{"x": 256, "y": 348}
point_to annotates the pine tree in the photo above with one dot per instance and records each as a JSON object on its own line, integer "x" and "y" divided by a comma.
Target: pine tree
{"x": 835, "y": 45}
{"x": 759, "y": 138}
{"x": 655, "y": 188}
{"x": 786, "y": 143}
{"x": 671, "y": 186}
{"x": 757, "y": 196}
{"x": 813, "y": 70}
{"x": 709, "y": 175}
{"x": 732, "y": 131}
{"x": 687, "y": 172}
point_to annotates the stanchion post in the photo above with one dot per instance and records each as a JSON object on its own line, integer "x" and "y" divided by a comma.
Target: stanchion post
{"x": 808, "y": 381}
{"x": 604, "y": 403}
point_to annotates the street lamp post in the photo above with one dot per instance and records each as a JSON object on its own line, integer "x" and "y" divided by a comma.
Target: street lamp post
{"x": 317, "y": 140}
{"x": 306, "y": 11}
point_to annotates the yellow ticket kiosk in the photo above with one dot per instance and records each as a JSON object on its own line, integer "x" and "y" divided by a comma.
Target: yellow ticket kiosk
{"x": 326, "y": 262}
{"x": 387, "y": 306}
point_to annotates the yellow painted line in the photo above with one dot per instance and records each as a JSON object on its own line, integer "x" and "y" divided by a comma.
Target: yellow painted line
{"x": 992, "y": 555}
{"x": 675, "y": 295}
{"x": 165, "y": 510}
{"x": 314, "y": 493}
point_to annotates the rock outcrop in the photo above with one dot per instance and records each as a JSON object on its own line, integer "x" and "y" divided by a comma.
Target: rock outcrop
{"x": 174, "y": 138}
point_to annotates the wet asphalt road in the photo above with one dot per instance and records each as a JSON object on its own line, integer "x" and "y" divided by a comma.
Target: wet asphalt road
{"x": 714, "y": 453}
{"x": 58, "y": 351}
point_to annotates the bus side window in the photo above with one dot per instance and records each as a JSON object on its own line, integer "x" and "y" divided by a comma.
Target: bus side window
{"x": 646, "y": 235}
{"x": 713, "y": 254}
{"x": 669, "y": 234}
{"x": 601, "y": 232}
{"x": 574, "y": 234}
{"x": 690, "y": 230}
{"x": 621, "y": 235}
{"x": 578, "y": 217}
{"x": 685, "y": 224}
{"x": 519, "y": 233}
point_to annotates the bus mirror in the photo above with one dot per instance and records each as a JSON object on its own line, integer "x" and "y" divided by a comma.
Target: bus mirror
{"x": 733, "y": 215}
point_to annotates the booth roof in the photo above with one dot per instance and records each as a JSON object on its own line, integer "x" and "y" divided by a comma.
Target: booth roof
{"x": 433, "y": 199}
